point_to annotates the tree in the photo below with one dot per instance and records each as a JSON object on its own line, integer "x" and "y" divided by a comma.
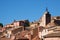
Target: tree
{"x": 1, "y": 25}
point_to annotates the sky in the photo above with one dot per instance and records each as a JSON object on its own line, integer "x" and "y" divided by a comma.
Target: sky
{"x": 11, "y": 10}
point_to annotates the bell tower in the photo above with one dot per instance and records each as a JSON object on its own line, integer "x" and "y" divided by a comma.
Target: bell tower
{"x": 46, "y": 18}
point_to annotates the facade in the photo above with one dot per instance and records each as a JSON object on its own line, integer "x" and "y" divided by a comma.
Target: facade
{"x": 47, "y": 28}
{"x": 52, "y": 36}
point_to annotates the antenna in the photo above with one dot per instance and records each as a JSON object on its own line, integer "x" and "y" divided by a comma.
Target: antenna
{"x": 47, "y": 9}
{"x": 46, "y": 5}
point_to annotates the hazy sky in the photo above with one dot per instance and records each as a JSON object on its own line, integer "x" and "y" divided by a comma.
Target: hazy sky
{"x": 26, "y": 9}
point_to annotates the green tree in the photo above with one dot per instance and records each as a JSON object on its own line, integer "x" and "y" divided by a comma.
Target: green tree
{"x": 1, "y": 24}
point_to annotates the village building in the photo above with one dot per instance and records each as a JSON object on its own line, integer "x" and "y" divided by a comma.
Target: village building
{"x": 47, "y": 28}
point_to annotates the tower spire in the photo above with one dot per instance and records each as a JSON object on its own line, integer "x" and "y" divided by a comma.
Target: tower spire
{"x": 14, "y": 20}
{"x": 47, "y": 9}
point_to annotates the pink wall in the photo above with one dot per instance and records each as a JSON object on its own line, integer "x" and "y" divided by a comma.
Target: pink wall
{"x": 52, "y": 38}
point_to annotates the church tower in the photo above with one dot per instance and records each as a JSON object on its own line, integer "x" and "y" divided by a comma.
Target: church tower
{"x": 46, "y": 18}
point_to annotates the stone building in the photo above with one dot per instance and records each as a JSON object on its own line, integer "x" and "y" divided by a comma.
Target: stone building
{"x": 24, "y": 23}
{"x": 50, "y": 33}
{"x": 47, "y": 28}
{"x": 45, "y": 19}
